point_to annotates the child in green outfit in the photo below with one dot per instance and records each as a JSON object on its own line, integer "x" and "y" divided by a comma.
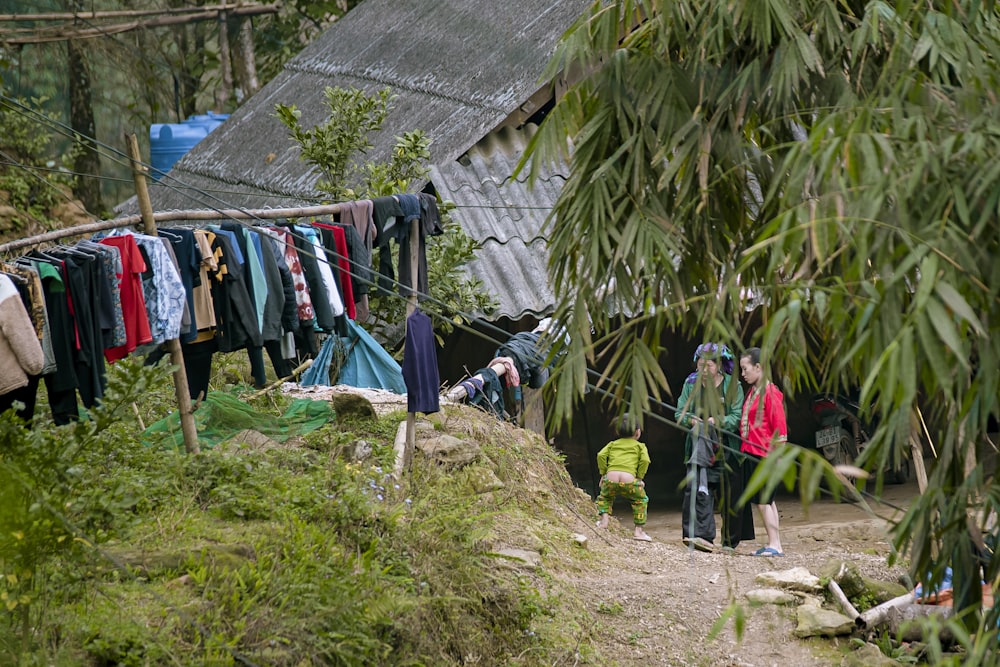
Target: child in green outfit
{"x": 622, "y": 464}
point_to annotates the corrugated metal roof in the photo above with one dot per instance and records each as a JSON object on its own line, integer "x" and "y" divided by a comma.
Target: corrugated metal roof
{"x": 458, "y": 69}
{"x": 506, "y": 216}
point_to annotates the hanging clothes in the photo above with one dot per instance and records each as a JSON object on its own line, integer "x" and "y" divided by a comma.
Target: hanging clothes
{"x": 21, "y": 352}
{"x": 335, "y": 243}
{"x": 420, "y": 367}
{"x": 132, "y": 301}
{"x": 235, "y": 317}
{"x": 188, "y": 256}
{"x": 358, "y": 219}
{"x": 162, "y": 288}
{"x": 36, "y": 310}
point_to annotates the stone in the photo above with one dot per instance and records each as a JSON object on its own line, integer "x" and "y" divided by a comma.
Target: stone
{"x": 819, "y": 622}
{"x": 761, "y": 596}
{"x": 253, "y": 439}
{"x": 352, "y": 405}
{"x": 795, "y": 579}
{"x": 580, "y": 540}
{"x": 846, "y": 574}
{"x": 520, "y": 558}
{"x": 362, "y": 450}
{"x": 483, "y": 480}
{"x": 449, "y": 450}
{"x": 868, "y": 655}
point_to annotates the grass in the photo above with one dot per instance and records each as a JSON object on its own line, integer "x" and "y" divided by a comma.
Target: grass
{"x": 285, "y": 554}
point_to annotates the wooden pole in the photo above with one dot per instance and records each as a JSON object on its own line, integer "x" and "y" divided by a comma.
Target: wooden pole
{"x": 173, "y": 216}
{"x": 173, "y": 345}
{"x": 411, "y": 307}
{"x": 456, "y": 392}
{"x": 224, "y": 91}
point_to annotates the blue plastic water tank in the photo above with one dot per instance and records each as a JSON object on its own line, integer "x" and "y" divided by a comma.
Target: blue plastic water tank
{"x": 168, "y": 142}
{"x": 210, "y": 120}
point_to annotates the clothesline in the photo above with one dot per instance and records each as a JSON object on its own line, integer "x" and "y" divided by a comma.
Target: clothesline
{"x": 173, "y": 216}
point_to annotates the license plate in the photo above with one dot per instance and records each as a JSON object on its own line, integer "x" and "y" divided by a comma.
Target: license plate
{"x": 827, "y": 437}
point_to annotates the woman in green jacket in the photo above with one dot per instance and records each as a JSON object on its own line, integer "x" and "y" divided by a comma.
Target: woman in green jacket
{"x": 710, "y": 406}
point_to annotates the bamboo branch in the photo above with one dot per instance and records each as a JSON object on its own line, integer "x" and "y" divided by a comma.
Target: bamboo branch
{"x": 174, "y": 216}
{"x": 295, "y": 373}
{"x": 879, "y": 615}
{"x": 845, "y": 604}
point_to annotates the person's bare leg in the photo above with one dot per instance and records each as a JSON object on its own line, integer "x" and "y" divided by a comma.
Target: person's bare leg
{"x": 769, "y": 515}
{"x": 640, "y": 534}
{"x": 603, "y": 523}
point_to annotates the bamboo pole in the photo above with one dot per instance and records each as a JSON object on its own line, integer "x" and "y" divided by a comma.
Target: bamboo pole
{"x": 411, "y": 307}
{"x": 118, "y": 28}
{"x": 128, "y": 13}
{"x": 195, "y": 215}
{"x": 841, "y": 598}
{"x": 188, "y": 429}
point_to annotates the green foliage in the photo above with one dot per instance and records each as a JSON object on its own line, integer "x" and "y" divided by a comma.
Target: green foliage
{"x": 280, "y": 555}
{"x": 332, "y": 148}
{"x": 330, "y": 145}
{"x": 27, "y": 174}
{"x": 818, "y": 178}
{"x": 279, "y": 37}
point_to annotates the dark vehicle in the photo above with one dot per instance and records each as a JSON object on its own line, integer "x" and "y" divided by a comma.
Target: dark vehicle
{"x": 842, "y": 436}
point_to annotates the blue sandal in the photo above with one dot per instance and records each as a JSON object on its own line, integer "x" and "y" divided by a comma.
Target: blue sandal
{"x": 768, "y": 551}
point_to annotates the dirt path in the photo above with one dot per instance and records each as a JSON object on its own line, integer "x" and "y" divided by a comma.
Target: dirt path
{"x": 658, "y": 601}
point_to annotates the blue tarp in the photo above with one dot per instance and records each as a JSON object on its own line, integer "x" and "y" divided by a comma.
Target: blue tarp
{"x": 368, "y": 365}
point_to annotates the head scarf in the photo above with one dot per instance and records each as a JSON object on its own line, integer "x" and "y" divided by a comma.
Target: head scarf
{"x": 717, "y": 352}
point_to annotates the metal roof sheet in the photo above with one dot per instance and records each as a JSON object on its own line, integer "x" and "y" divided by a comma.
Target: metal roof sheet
{"x": 506, "y": 215}
{"x": 458, "y": 69}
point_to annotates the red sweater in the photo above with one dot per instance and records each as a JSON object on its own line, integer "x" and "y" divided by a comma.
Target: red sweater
{"x": 763, "y": 420}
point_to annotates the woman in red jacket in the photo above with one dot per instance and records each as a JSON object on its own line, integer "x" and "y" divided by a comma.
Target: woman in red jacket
{"x": 762, "y": 426}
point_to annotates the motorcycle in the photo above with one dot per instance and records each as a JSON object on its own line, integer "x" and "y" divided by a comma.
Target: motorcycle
{"x": 842, "y": 436}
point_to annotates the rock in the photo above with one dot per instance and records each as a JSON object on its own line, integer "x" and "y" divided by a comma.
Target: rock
{"x": 819, "y": 622}
{"x": 253, "y": 439}
{"x": 348, "y": 405}
{"x": 795, "y": 579}
{"x": 449, "y": 450}
{"x": 868, "y": 655}
{"x": 362, "y": 450}
{"x": 761, "y": 596}
{"x": 808, "y": 599}
{"x": 483, "y": 480}
{"x": 72, "y": 213}
{"x": 883, "y": 591}
{"x": 520, "y": 558}
{"x": 846, "y": 574}
{"x": 580, "y": 540}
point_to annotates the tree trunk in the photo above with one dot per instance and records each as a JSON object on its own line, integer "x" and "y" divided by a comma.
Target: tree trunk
{"x": 241, "y": 51}
{"x": 87, "y": 162}
{"x": 223, "y": 93}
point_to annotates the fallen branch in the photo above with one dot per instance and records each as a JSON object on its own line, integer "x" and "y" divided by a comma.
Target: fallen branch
{"x": 845, "y": 604}
{"x": 899, "y": 621}
{"x": 879, "y": 615}
{"x": 295, "y": 373}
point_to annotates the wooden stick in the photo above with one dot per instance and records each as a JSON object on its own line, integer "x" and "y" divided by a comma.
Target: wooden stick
{"x": 277, "y": 383}
{"x": 878, "y": 615}
{"x": 457, "y": 391}
{"x": 845, "y": 604}
{"x": 174, "y": 216}
{"x": 184, "y": 410}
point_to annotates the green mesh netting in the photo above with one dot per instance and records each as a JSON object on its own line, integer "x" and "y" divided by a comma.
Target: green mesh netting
{"x": 221, "y": 416}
